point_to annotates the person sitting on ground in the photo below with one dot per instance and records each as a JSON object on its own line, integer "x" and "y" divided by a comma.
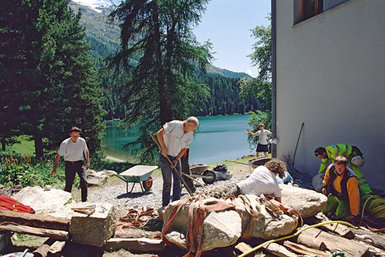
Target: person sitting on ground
{"x": 262, "y": 141}
{"x": 263, "y": 180}
{"x": 341, "y": 187}
{"x": 354, "y": 156}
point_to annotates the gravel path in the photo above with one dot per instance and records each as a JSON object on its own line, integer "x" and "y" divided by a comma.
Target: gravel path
{"x": 115, "y": 190}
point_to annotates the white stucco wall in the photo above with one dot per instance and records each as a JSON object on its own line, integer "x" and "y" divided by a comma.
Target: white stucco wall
{"x": 331, "y": 76}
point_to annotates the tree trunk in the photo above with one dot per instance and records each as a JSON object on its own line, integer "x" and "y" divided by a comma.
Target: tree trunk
{"x": 38, "y": 145}
{"x": 160, "y": 72}
{"x": 3, "y": 143}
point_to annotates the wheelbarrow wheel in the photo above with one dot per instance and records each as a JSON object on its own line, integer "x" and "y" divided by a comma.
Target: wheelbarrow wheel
{"x": 209, "y": 177}
{"x": 147, "y": 184}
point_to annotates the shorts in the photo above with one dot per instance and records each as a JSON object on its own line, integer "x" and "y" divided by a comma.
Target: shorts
{"x": 262, "y": 148}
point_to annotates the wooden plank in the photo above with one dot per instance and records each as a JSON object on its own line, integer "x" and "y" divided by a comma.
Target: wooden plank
{"x": 367, "y": 236}
{"x": 337, "y": 243}
{"x": 339, "y": 229}
{"x": 279, "y": 250}
{"x": 56, "y": 248}
{"x": 311, "y": 241}
{"x": 34, "y": 220}
{"x": 135, "y": 244}
{"x": 304, "y": 250}
{"x": 243, "y": 248}
{"x": 55, "y": 234}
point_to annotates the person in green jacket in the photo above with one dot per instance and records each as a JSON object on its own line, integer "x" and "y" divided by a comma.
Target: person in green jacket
{"x": 329, "y": 153}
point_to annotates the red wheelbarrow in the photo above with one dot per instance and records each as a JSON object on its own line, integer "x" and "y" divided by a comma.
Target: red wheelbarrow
{"x": 138, "y": 174}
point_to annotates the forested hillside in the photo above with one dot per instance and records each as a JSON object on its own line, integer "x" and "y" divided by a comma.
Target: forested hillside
{"x": 103, "y": 36}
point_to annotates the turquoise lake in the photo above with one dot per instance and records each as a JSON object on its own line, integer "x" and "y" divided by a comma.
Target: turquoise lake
{"x": 219, "y": 138}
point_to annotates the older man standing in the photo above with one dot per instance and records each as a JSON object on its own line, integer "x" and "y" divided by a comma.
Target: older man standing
{"x": 74, "y": 149}
{"x": 174, "y": 138}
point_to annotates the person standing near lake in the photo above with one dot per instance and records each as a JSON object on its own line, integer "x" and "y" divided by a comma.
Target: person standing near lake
{"x": 74, "y": 149}
{"x": 174, "y": 138}
{"x": 262, "y": 133}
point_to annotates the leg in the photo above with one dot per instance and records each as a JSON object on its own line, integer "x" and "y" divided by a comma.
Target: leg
{"x": 70, "y": 176}
{"x": 186, "y": 170}
{"x": 257, "y": 154}
{"x": 364, "y": 187}
{"x": 81, "y": 170}
{"x": 166, "y": 174}
{"x": 343, "y": 210}
{"x": 177, "y": 187}
{"x": 331, "y": 205}
{"x": 266, "y": 154}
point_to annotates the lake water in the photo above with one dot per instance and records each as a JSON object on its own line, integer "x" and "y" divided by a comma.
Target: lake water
{"x": 219, "y": 138}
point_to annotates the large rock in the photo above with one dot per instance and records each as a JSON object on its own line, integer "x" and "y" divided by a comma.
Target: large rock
{"x": 96, "y": 178}
{"x": 94, "y": 229}
{"x": 307, "y": 202}
{"x": 224, "y": 228}
{"x": 221, "y": 229}
{"x": 267, "y": 224}
{"x": 43, "y": 200}
{"x": 317, "y": 182}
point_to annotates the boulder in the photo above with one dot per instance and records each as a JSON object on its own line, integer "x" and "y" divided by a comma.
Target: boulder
{"x": 96, "y": 178}
{"x": 224, "y": 228}
{"x": 317, "y": 182}
{"x": 43, "y": 200}
{"x": 307, "y": 202}
{"x": 267, "y": 225}
{"x": 110, "y": 172}
{"x": 94, "y": 229}
{"x": 221, "y": 229}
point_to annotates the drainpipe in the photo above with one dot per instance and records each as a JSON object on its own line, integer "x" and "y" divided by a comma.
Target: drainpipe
{"x": 274, "y": 76}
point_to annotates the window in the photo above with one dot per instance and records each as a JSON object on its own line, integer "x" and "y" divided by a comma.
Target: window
{"x": 310, "y": 8}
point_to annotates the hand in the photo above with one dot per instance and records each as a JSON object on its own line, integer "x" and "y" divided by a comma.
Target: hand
{"x": 248, "y": 130}
{"x": 174, "y": 163}
{"x": 53, "y": 172}
{"x": 324, "y": 191}
{"x": 352, "y": 219}
{"x": 88, "y": 165}
{"x": 164, "y": 152}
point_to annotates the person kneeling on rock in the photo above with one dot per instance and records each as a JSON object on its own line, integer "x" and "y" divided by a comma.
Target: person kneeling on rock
{"x": 263, "y": 180}
{"x": 341, "y": 186}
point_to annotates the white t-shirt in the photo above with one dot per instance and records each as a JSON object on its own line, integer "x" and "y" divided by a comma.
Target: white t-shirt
{"x": 263, "y": 136}
{"x": 261, "y": 181}
{"x": 73, "y": 151}
{"x": 175, "y": 139}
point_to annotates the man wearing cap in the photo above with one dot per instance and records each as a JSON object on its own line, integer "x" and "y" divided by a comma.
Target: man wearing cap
{"x": 328, "y": 153}
{"x": 74, "y": 149}
{"x": 174, "y": 138}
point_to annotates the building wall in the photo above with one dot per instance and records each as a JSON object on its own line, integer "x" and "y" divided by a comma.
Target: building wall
{"x": 331, "y": 76}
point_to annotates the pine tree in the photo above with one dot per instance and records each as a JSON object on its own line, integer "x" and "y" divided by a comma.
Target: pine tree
{"x": 160, "y": 53}
{"x": 50, "y": 83}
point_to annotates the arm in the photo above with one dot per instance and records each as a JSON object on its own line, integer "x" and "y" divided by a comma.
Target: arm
{"x": 250, "y": 132}
{"x": 324, "y": 164}
{"x": 163, "y": 147}
{"x": 326, "y": 180}
{"x": 53, "y": 172}
{"x": 177, "y": 158}
{"x": 354, "y": 196}
{"x": 269, "y": 132}
{"x": 87, "y": 154}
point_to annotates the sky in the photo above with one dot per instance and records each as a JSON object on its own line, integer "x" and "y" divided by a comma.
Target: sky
{"x": 227, "y": 24}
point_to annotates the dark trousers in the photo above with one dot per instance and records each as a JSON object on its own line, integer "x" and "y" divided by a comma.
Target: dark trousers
{"x": 70, "y": 170}
{"x": 186, "y": 170}
{"x": 167, "y": 174}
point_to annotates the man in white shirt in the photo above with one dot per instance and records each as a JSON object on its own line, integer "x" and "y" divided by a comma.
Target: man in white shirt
{"x": 174, "y": 138}
{"x": 74, "y": 149}
{"x": 263, "y": 180}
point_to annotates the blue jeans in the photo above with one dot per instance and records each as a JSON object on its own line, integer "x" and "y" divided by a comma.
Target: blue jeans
{"x": 167, "y": 173}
